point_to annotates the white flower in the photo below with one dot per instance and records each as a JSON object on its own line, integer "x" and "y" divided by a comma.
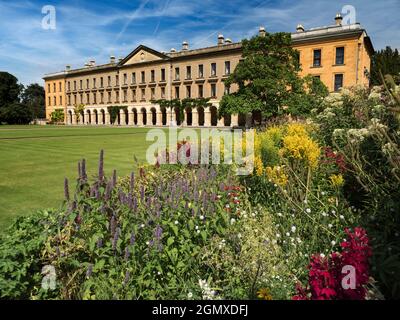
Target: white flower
{"x": 196, "y": 227}
{"x": 341, "y": 216}
{"x": 176, "y": 222}
{"x": 333, "y": 242}
{"x": 278, "y": 235}
{"x": 287, "y": 234}
{"x": 333, "y": 211}
{"x": 190, "y": 295}
{"x": 142, "y": 225}
{"x": 279, "y": 214}
{"x": 201, "y": 217}
{"x": 324, "y": 214}
{"x": 322, "y": 255}
{"x": 330, "y": 225}
{"x": 158, "y": 272}
{"x": 198, "y": 231}
{"x": 147, "y": 242}
{"x": 308, "y": 210}
{"x": 323, "y": 193}
{"x": 233, "y": 221}
{"x": 293, "y": 229}
{"x": 305, "y": 201}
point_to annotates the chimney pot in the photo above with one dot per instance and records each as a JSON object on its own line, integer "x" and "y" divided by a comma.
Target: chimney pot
{"x": 112, "y": 59}
{"x": 173, "y": 50}
{"x": 185, "y": 46}
{"x": 338, "y": 19}
{"x": 67, "y": 68}
{"x": 220, "y": 39}
{"x": 92, "y": 63}
{"x": 300, "y": 28}
{"x": 262, "y": 32}
{"x": 228, "y": 41}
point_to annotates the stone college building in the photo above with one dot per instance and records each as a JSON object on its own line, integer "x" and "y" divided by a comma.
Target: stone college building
{"x": 338, "y": 54}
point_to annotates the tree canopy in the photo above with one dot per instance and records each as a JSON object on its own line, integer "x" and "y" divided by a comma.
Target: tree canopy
{"x": 19, "y": 105}
{"x": 268, "y": 79}
{"x": 388, "y": 62}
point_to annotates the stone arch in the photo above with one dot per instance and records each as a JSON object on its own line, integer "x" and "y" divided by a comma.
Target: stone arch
{"x": 70, "y": 117}
{"x": 82, "y": 117}
{"x": 227, "y": 120}
{"x": 89, "y": 117}
{"x": 144, "y": 116}
{"x": 214, "y": 115}
{"x": 256, "y": 117}
{"x": 153, "y": 120}
{"x": 164, "y": 115}
{"x": 200, "y": 113}
{"x": 135, "y": 115}
{"x": 95, "y": 116}
{"x": 103, "y": 116}
{"x": 189, "y": 116}
{"x": 177, "y": 116}
{"x": 242, "y": 120}
{"x": 125, "y": 111}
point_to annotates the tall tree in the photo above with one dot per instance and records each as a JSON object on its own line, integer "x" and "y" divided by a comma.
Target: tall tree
{"x": 268, "y": 79}
{"x": 10, "y": 90}
{"x": 34, "y": 98}
{"x": 15, "y": 113}
{"x": 388, "y": 62}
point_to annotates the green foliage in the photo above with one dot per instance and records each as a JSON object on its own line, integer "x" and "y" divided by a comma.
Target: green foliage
{"x": 20, "y": 252}
{"x": 57, "y": 116}
{"x": 33, "y": 97}
{"x": 268, "y": 80}
{"x": 78, "y": 110}
{"x": 10, "y": 90}
{"x": 16, "y": 113}
{"x": 367, "y": 135}
{"x": 181, "y": 105}
{"x": 114, "y": 112}
{"x": 385, "y": 61}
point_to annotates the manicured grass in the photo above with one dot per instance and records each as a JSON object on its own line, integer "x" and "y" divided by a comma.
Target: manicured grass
{"x": 35, "y": 159}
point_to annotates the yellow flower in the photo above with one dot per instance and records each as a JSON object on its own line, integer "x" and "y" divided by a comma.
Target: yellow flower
{"x": 298, "y": 144}
{"x": 258, "y": 166}
{"x": 277, "y": 175}
{"x": 264, "y": 294}
{"x": 337, "y": 180}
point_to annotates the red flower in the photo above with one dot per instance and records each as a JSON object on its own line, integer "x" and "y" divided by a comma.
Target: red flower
{"x": 325, "y": 275}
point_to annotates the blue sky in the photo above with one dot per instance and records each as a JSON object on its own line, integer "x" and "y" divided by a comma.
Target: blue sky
{"x": 88, "y": 30}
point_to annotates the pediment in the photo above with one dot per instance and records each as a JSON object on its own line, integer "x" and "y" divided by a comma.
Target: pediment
{"x": 142, "y": 54}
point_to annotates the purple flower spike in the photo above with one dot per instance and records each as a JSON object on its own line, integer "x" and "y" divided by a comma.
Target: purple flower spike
{"x": 126, "y": 280}
{"x": 127, "y": 254}
{"x": 114, "y": 178}
{"x": 99, "y": 243}
{"x": 66, "y": 189}
{"x": 83, "y": 168}
{"x": 89, "y": 271}
{"x": 134, "y": 204}
{"x": 132, "y": 182}
{"x": 158, "y": 233}
{"x": 101, "y": 165}
{"x": 79, "y": 170}
{"x": 132, "y": 239}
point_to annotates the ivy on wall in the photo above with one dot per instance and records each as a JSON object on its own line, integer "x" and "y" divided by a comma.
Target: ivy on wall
{"x": 181, "y": 105}
{"x": 114, "y": 111}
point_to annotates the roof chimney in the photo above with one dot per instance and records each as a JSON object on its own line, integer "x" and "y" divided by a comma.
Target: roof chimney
{"x": 173, "y": 50}
{"x": 112, "y": 59}
{"x": 92, "y": 63}
{"x": 67, "y": 68}
{"x": 120, "y": 59}
{"x": 228, "y": 41}
{"x": 338, "y": 19}
{"x": 185, "y": 46}
{"x": 87, "y": 65}
{"x": 220, "y": 39}
{"x": 262, "y": 32}
{"x": 300, "y": 28}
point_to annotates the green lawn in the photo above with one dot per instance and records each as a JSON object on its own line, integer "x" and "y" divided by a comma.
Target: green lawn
{"x": 35, "y": 159}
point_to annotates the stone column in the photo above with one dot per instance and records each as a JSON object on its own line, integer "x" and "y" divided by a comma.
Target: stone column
{"x": 249, "y": 117}
{"x": 122, "y": 118}
{"x": 108, "y": 120}
{"x": 100, "y": 117}
{"x": 168, "y": 115}
{"x": 149, "y": 118}
{"x": 140, "y": 118}
{"x": 173, "y": 118}
{"x": 159, "y": 119}
{"x": 234, "y": 120}
{"x": 73, "y": 118}
{"x": 195, "y": 118}
{"x": 131, "y": 119}
{"x": 221, "y": 122}
{"x": 207, "y": 118}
